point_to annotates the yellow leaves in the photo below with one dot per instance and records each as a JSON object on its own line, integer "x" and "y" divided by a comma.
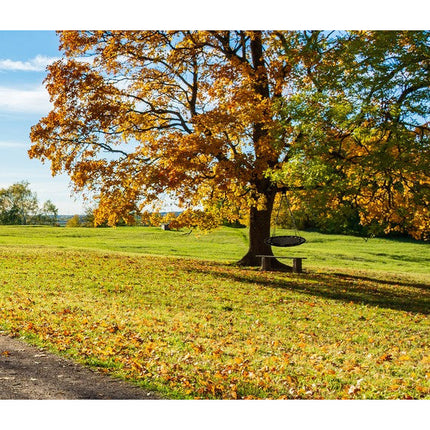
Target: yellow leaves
{"x": 217, "y": 352}
{"x": 241, "y": 361}
{"x": 422, "y": 389}
{"x": 198, "y": 348}
{"x": 404, "y": 357}
{"x": 194, "y": 218}
{"x": 113, "y": 328}
{"x": 384, "y": 358}
{"x": 399, "y": 358}
{"x": 149, "y": 347}
{"x": 426, "y": 359}
{"x": 135, "y": 365}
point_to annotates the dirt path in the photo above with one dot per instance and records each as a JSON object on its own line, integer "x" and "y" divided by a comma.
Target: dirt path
{"x": 27, "y": 372}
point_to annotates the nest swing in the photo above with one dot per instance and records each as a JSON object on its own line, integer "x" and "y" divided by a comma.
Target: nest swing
{"x": 285, "y": 241}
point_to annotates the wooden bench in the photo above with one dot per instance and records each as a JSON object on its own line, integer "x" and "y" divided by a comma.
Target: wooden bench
{"x": 266, "y": 262}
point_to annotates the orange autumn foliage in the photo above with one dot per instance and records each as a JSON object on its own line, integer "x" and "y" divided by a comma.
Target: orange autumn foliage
{"x": 138, "y": 115}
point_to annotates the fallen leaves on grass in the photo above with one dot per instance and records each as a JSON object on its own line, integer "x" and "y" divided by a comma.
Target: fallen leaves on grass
{"x": 202, "y": 330}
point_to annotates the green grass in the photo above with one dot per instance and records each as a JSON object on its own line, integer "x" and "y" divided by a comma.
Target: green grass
{"x": 324, "y": 252}
{"x": 168, "y": 312}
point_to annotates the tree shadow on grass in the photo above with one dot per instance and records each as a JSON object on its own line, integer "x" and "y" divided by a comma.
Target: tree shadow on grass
{"x": 408, "y": 284}
{"x": 397, "y": 295}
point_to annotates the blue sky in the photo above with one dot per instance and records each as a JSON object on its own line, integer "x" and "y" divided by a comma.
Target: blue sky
{"x": 24, "y": 56}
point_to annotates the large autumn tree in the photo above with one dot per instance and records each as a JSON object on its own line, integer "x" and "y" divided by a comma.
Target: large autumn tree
{"x": 197, "y": 116}
{"x": 142, "y": 115}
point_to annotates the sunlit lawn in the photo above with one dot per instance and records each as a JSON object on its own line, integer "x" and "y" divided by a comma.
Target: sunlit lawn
{"x": 355, "y": 325}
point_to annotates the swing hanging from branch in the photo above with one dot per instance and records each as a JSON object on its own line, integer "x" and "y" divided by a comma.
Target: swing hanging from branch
{"x": 284, "y": 241}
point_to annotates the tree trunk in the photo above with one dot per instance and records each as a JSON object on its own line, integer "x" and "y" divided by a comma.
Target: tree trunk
{"x": 259, "y": 222}
{"x": 259, "y": 231}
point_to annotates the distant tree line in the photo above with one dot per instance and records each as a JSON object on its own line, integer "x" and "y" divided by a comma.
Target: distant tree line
{"x": 20, "y": 206}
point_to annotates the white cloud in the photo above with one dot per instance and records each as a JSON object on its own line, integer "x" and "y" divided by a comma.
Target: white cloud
{"x": 14, "y": 145}
{"x": 33, "y": 100}
{"x": 36, "y": 64}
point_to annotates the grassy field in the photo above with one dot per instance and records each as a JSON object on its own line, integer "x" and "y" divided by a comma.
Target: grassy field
{"x": 167, "y": 311}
